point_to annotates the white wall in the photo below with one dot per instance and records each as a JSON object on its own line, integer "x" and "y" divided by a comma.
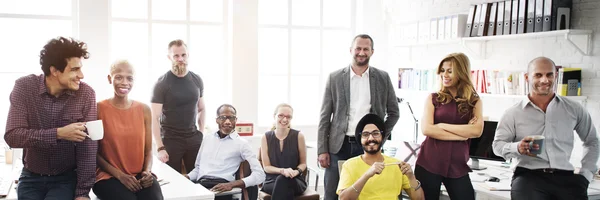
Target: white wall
{"x": 502, "y": 55}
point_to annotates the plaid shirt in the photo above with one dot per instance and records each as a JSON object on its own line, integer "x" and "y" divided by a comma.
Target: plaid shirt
{"x": 33, "y": 119}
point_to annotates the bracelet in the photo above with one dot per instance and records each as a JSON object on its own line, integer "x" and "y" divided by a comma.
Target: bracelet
{"x": 299, "y": 170}
{"x": 418, "y": 185}
{"x": 354, "y": 189}
{"x": 161, "y": 148}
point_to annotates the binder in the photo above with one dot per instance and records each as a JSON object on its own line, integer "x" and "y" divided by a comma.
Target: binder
{"x": 440, "y": 28}
{"x": 507, "y": 17}
{"x": 522, "y": 16}
{"x": 530, "y": 16}
{"x": 413, "y": 32}
{"x": 492, "y": 24}
{"x": 470, "y": 21}
{"x": 547, "y": 23}
{"x": 475, "y": 28}
{"x": 560, "y": 14}
{"x": 514, "y": 19}
{"x": 459, "y": 22}
{"x": 484, "y": 19}
{"x": 448, "y": 27}
{"x": 539, "y": 15}
{"x": 500, "y": 18}
{"x": 424, "y": 31}
{"x": 563, "y": 17}
{"x": 433, "y": 32}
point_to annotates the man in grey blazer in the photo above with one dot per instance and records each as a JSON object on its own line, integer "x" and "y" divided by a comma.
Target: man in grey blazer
{"x": 351, "y": 93}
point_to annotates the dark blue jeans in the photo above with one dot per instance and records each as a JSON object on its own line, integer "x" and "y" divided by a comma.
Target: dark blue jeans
{"x": 35, "y": 187}
{"x": 349, "y": 150}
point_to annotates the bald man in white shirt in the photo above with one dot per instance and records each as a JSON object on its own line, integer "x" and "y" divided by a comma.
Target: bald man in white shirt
{"x": 220, "y": 156}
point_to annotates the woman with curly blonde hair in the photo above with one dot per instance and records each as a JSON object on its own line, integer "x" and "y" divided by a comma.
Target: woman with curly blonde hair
{"x": 452, "y": 116}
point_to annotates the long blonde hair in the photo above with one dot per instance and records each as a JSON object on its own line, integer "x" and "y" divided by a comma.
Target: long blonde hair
{"x": 275, "y": 113}
{"x": 466, "y": 96}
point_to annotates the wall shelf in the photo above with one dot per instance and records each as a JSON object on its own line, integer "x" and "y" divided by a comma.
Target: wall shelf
{"x": 582, "y": 99}
{"x": 432, "y": 42}
{"x": 579, "y": 39}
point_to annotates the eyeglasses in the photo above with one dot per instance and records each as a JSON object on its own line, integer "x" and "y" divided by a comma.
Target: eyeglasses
{"x": 375, "y": 134}
{"x": 281, "y": 116}
{"x": 230, "y": 118}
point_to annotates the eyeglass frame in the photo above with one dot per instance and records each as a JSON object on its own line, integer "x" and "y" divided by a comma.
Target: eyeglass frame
{"x": 379, "y": 135}
{"x": 281, "y": 116}
{"x": 225, "y": 118}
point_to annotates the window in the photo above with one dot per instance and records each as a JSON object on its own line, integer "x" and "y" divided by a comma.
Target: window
{"x": 42, "y": 7}
{"x": 26, "y": 30}
{"x": 300, "y": 42}
{"x": 142, "y": 30}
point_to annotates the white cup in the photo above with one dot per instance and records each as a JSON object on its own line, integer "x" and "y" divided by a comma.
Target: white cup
{"x": 95, "y": 129}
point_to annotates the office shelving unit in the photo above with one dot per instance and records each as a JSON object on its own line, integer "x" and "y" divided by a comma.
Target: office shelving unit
{"x": 579, "y": 39}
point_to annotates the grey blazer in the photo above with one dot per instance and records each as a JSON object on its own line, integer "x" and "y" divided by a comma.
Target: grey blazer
{"x": 333, "y": 123}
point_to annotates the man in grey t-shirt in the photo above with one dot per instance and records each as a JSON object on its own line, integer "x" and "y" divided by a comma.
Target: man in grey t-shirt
{"x": 176, "y": 104}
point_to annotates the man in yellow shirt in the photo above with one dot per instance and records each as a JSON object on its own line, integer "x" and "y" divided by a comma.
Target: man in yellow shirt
{"x": 374, "y": 175}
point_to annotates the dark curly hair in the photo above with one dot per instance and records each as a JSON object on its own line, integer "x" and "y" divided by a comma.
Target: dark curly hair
{"x": 58, "y": 50}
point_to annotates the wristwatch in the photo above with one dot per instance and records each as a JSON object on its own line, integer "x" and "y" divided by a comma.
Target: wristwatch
{"x": 418, "y": 185}
{"x": 161, "y": 148}
{"x": 300, "y": 170}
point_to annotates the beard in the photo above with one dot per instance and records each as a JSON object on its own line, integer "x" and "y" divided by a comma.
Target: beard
{"x": 539, "y": 91}
{"x": 372, "y": 151}
{"x": 226, "y": 129}
{"x": 179, "y": 68}
{"x": 364, "y": 63}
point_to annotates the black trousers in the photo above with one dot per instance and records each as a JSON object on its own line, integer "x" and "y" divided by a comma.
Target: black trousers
{"x": 114, "y": 189}
{"x": 350, "y": 148}
{"x": 458, "y": 188}
{"x": 183, "y": 149}
{"x": 533, "y": 185}
{"x": 284, "y": 188}
{"x": 209, "y": 183}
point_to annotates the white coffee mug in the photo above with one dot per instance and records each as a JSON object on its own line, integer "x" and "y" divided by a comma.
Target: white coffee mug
{"x": 95, "y": 129}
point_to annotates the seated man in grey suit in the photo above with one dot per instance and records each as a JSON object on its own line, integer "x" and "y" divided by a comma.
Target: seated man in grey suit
{"x": 220, "y": 156}
{"x": 351, "y": 93}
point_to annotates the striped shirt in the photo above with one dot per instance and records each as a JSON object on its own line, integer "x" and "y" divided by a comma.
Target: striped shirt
{"x": 562, "y": 117}
{"x": 33, "y": 119}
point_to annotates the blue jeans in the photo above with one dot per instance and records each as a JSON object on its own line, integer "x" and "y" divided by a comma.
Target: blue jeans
{"x": 349, "y": 150}
{"x": 35, "y": 187}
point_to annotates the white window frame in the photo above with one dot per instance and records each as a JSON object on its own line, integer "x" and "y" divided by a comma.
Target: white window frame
{"x": 289, "y": 27}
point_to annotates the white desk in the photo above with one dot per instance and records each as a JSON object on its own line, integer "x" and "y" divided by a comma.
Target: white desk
{"x": 178, "y": 188}
{"x": 495, "y": 168}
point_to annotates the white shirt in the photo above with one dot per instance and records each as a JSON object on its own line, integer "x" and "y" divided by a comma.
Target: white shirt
{"x": 562, "y": 116}
{"x": 360, "y": 99}
{"x": 221, "y": 157}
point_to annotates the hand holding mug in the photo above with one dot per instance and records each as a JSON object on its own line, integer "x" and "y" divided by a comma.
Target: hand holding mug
{"x": 531, "y": 145}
